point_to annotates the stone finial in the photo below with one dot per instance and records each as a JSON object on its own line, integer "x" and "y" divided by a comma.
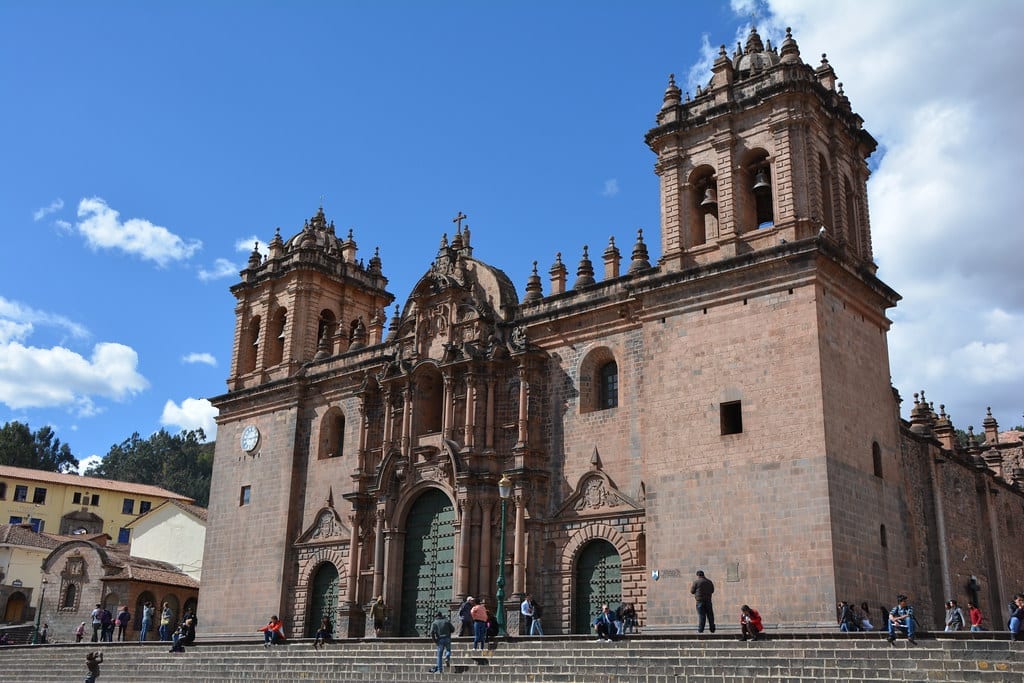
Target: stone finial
{"x": 375, "y": 263}
{"x": 534, "y": 291}
{"x": 358, "y": 335}
{"x": 944, "y": 431}
{"x": 639, "y": 258}
{"x": 254, "y": 258}
{"x": 672, "y": 93}
{"x": 920, "y": 418}
{"x": 395, "y": 322}
{"x": 558, "y": 275}
{"x": 825, "y": 74}
{"x": 790, "y": 53}
{"x": 991, "y": 427}
{"x": 722, "y": 71}
{"x": 754, "y": 43}
{"x": 595, "y": 459}
{"x": 612, "y": 258}
{"x": 584, "y": 271}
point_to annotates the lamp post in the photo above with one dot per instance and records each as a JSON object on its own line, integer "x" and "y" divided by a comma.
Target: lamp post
{"x": 504, "y": 490}
{"x": 39, "y": 612}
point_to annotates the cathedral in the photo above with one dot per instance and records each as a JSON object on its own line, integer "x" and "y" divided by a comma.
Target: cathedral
{"x": 727, "y": 408}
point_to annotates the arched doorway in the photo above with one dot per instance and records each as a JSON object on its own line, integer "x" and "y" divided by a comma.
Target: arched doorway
{"x": 598, "y": 580}
{"x": 15, "y": 610}
{"x": 323, "y": 598}
{"x": 428, "y": 563}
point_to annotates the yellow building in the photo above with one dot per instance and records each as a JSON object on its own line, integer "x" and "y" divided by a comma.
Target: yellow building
{"x": 71, "y": 505}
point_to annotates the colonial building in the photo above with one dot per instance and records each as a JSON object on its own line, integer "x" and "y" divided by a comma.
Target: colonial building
{"x": 726, "y": 408}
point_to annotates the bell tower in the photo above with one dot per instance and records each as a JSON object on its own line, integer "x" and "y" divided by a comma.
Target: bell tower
{"x": 309, "y": 299}
{"x": 768, "y": 151}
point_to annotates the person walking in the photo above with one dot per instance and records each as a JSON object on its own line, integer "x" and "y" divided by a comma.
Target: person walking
{"x": 377, "y": 614}
{"x": 97, "y": 623}
{"x": 901, "y": 619}
{"x": 535, "y": 626}
{"x": 701, "y": 590}
{"x": 80, "y": 632}
{"x": 441, "y": 633}
{"x": 954, "y": 617}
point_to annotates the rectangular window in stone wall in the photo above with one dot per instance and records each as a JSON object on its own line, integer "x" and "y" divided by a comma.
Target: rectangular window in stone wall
{"x": 732, "y": 417}
{"x": 244, "y": 496}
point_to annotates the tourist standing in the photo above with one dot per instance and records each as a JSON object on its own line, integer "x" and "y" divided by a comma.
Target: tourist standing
{"x": 701, "y": 590}
{"x": 975, "y": 616}
{"x": 479, "y": 616}
{"x": 467, "y": 621}
{"x": 166, "y": 617}
{"x": 123, "y": 618}
{"x": 954, "y": 617}
{"x": 377, "y": 614}
{"x": 148, "y": 612}
{"x": 535, "y": 626}
{"x": 526, "y": 610}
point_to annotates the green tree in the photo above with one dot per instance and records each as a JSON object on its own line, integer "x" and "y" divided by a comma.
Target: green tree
{"x": 39, "y": 450}
{"x": 181, "y": 463}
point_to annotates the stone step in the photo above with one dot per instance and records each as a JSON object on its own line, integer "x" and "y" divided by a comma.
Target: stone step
{"x": 550, "y": 659}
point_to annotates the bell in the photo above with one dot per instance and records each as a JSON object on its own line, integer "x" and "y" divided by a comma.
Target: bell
{"x": 710, "y": 201}
{"x": 761, "y": 180}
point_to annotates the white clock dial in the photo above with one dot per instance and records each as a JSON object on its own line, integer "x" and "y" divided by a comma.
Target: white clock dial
{"x": 250, "y": 437}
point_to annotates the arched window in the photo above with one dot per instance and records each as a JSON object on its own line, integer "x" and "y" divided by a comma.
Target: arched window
{"x": 429, "y": 400}
{"x": 326, "y": 327}
{"x": 609, "y": 386}
{"x": 250, "y": 349}
{"x": 876, "y": 459}
{"x": 704, "y": 194}
{"x": 332, "y": 433}
{"x": 852, "y": 232}
{"x": 599, "y": 380}
{"x": 275, "y": 350}
{"x": 827, "y": 218}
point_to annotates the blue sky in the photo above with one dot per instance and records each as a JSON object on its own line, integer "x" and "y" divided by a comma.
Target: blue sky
{"x": 147, "y": 145}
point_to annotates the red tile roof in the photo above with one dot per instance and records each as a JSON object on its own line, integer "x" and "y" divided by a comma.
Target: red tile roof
{"x": 21, "y": 534}
{"x": 89, "y": 482}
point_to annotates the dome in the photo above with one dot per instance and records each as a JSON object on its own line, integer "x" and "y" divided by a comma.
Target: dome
{"x": 754, "y": 57}
{"x": 317, "y": 233}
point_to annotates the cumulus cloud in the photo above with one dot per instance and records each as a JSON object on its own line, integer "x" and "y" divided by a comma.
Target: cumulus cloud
{"x": 222, "y": 268}
{"x": 16, "y": 315}
{"x": 103, "y": 228}
{"x": 32, "y": 377}
{"x": 55, "y": 206}
{"x": 85, "y": 463}
{"x": 205, "y": 358}
{"x": 611, "y": 187}
{"x": 931, "y": 88}
{"x": 193, "y": 413}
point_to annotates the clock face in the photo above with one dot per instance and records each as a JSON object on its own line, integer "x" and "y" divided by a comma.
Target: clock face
{"x": 250, "y": 437}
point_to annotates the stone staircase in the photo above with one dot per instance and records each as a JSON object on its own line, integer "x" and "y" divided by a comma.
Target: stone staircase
{"x": 723, "y": 659}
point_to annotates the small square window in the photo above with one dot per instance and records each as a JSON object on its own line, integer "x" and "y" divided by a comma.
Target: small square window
{"x": 14, "y": 520}
{"x": 77, "y": 498}
{"x": 3, "y": 491}
{"x": 144, "y": 506}
{"x": 95, "y": 499}
{"x": 128, "y": 506}
{"x": 732, "y": 417}
{"x": 37, "y": 525}
{"x": 39, "y": 495}
{"x": 124, "y": 535}
{"x": 244, "y": 496}
{"x": 20, "y": 494}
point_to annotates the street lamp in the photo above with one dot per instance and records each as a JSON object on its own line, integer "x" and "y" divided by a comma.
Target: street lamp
{"x": 39, "y": 613}
{"x": 504, "y": 490}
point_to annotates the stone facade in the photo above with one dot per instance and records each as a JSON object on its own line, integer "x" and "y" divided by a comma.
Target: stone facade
{"x": 727, "y": 408}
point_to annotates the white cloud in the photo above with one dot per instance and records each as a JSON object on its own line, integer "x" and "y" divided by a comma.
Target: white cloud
{"x": 32, "y": 377}
{"x": 206, "y": 358}
{"x": 87, "y": 462}
{"x": 63, "y": 225}
{"x": 102, "y": 228}
{"x": 611, "y": 187}
{"x": 193, "y": 413}
{"x": 25, "y": 317}
{"x": 931, "y": 88}
{"x": 222, "y": 268}
{"x": 55, "y": 206}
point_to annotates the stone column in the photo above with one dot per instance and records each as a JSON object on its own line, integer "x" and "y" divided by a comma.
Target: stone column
{"x": 389, "y": 422}
{"x": 524, "y": 407}
{"x": 484, "y": 586}
{"x": 448, "y": 412}
{"x": 407, "y": 394}
{"x": 489, "y": 438}
{"x": 378, "y": 555}
{"x": 350, "y": 620}
{"x": 519, "y": 559}
{"x": 467, "y": 436}
{"x": 464, "y": 548}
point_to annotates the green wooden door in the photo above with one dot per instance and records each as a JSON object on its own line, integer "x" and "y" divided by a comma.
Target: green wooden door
{"x": 598, "y": 580}
{"x": 429, "y": 562}
{"x": 323, "y": 598}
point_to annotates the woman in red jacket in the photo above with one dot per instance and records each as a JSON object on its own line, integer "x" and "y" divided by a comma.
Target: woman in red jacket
{"x": 273, "y": 632}
{"x": 750, "y": 623}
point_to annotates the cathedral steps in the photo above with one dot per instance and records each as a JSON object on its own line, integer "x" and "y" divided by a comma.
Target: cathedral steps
{"x": 858, "y": 657}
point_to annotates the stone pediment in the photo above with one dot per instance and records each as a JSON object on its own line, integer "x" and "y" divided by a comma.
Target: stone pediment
{"x": 597, "y": 494}
{"x": 327, "y": 528}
